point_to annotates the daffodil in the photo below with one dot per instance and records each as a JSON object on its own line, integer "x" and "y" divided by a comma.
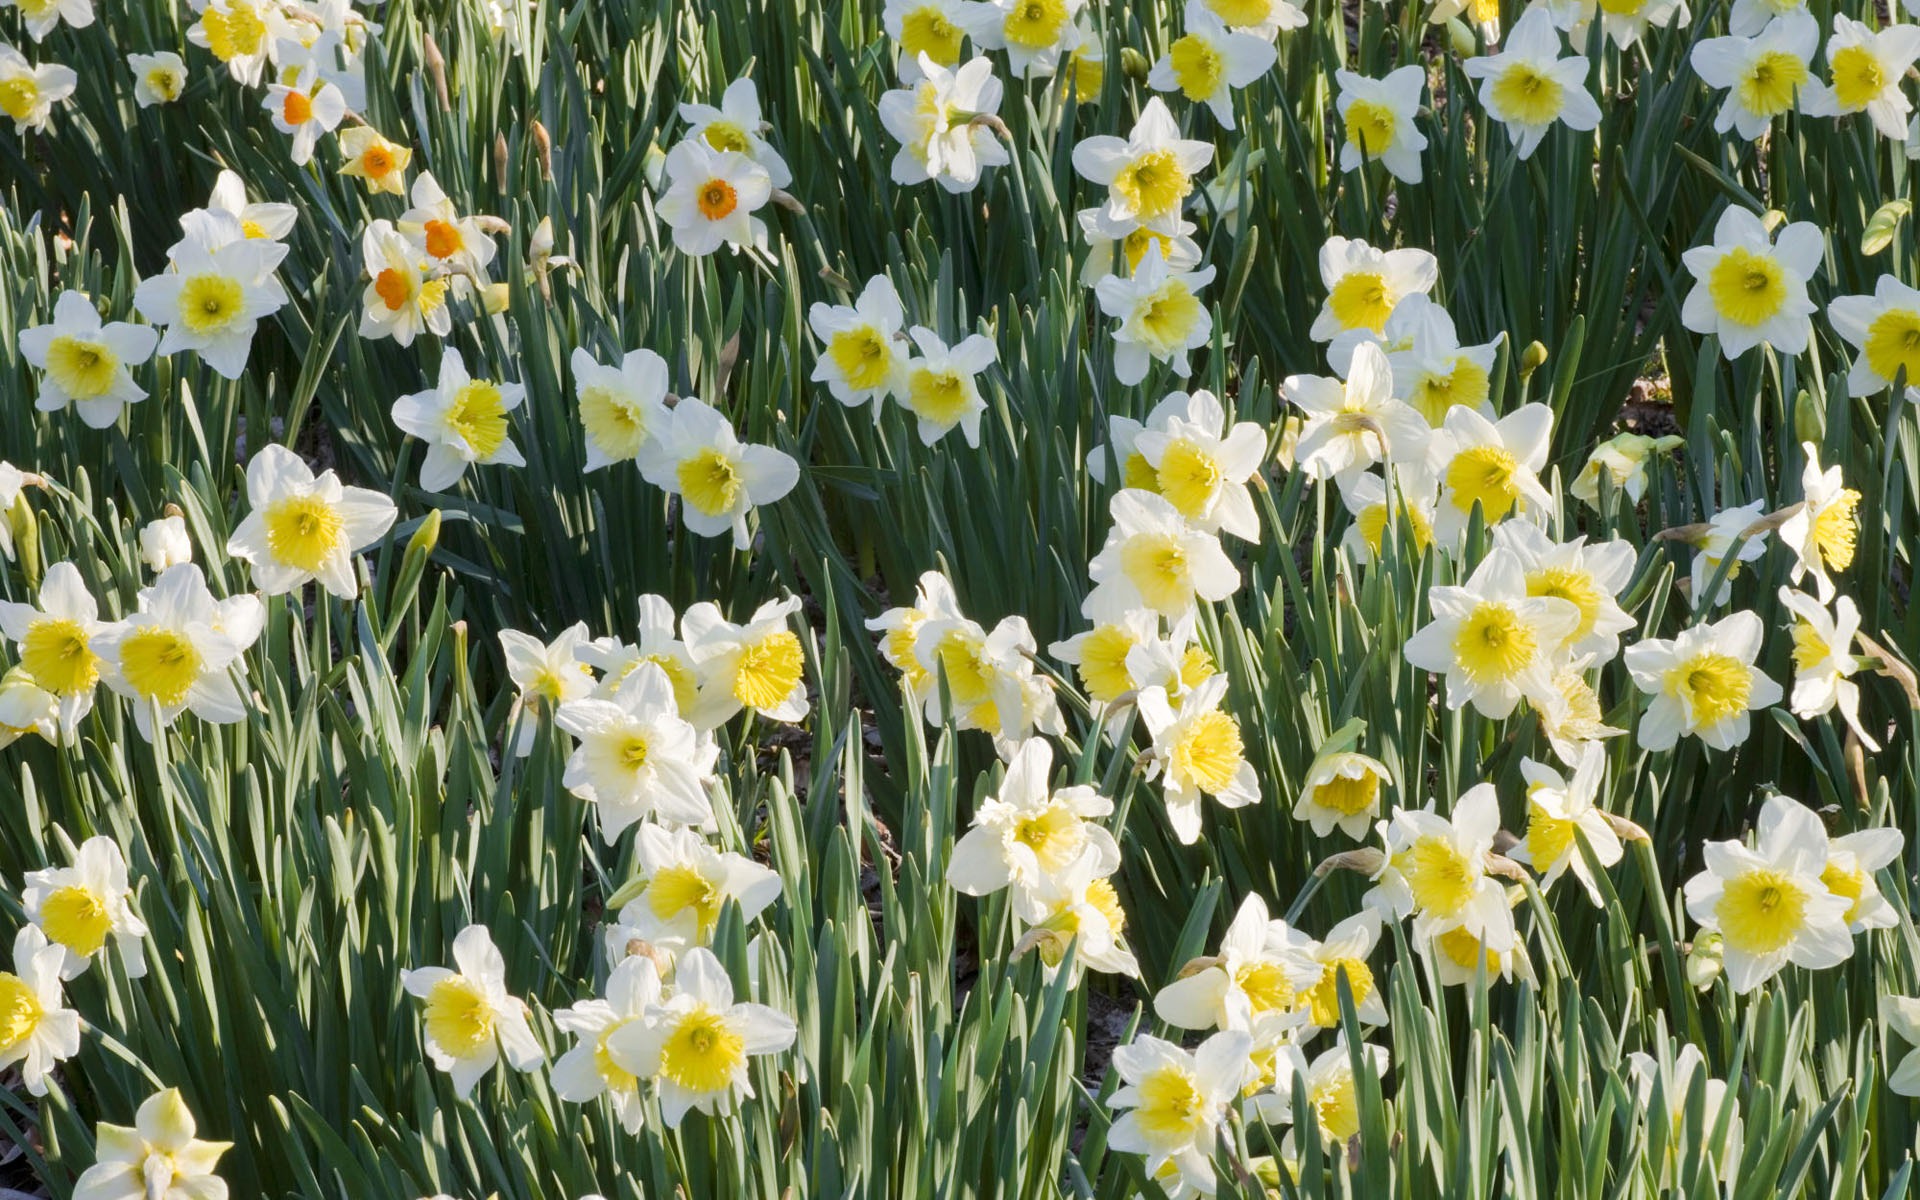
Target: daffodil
{"x": 1884, "y": 330}
{"x": 1865, "y": 66}
{"x": 1149, "y": 173}
{"x": 1703, "y": 683}
{"x": 1174, "y": 1102}
{"x": 1374, "y": 511}
{"x": 711, "y": 197}
{"x": 680, "y": 885}
{"x": 1264, "y": 17}
{"x": 1821, "y": 532}
{"x": 79, "y": 908}
{"x": 1557, "y": 809}
{"x": 588, "y": 1071}
{"x": 158, "y": 1158}
{"x": 1491, "y": 465}
{"x": 864, "y": 359}
{"x": 1196, "y": 751}
{"x": 164, "y": 543}
{"x": 1765, "y": 73}
{"x": 37, "y": 1030}
{"x": 1570, "y": 715}
{"x": 378, "y": 163}
{"x": 971, "y": 675}
{"x": 175, "y": 652}
{"x": 1751, "y": 289}
{"x": 1589, "y": 577}
{"x": 303, "y": 527}
{"x": 1748, "y": 17}
{"x": 212, "y": 301}
{"x": 1493, "y": 638}
{"x": 304, "y": 105}
{"x": 1342, "y": 956}
{"x": 899, "y": 629}
{"x": 1028, "y": 830}
{"x": 1435, "y": 869}
{"x": 1342, "y": 789}
{"x": 159, "y": 78}
{"x": 1458, "y": 955}
{"x": 1354, "y": 423}
{"x": 941, "y": 388}
{"x": 736, "y": 126}
{"x": 42, "y": 17}
{"x": 622, "y": 405}
{"x": 1260, "y": 968}
{"x": 28, "y": 92}
{"x": 1160, "y": 313}
{"x": 1377, "y": 118}
{"x": 1202, "y": 468}
{"x": 1625, "y": 22}
{"x": 1622, "y": 461}
{"x": 545, "y": 676}
{"x": 404, "y": 296}
{"x": 943, "y": 127}
{"x": 636, "y": 757}
{"x": 1209, "y": 61}
{"x": 1901, "y": 1014}
{"x": 759, "y": 665}
{"x": 1364, "y": 284}
{"x": 934, "y": 28}
{"x": 1154, "y": 558}
{"x": 1175, "y": 663}
{"x": 463, "y": 420}
{"x": 451, "y": 241}
{"x": 26, "y": 707}
{"x": 1117, "y": 247}
{"x": 1528, "y": 87}
{"x": 1724, "y": 530}
{"x": 1123, "y": 435}
{"x": 1853, "y": 860}
{"x": 84, "y": 362}
{"x": 1823, "y": 660}
{"x": 469, "y": 1019}
{"x": 1432, "y": 371}
{"x": 1034, "y": 33}
{"x": 696, "y": 1045}
{"x": 1330, "y": 1087}
{"x": 719, "y": 479}
{"x": 251, "y": 221}
{"x": 1768, "y": 902}
{"x": 55, "y": 643}
{"x": 243, "y": 34}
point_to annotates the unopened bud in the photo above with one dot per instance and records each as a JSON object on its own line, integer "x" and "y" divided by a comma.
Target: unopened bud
{"x": 1532, "y": 359}
{"x": 1134, "y": 65}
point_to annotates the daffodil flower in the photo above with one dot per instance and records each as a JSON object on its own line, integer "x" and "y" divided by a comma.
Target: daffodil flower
{"x": 469, "y": 1019}
{"x": 79, "y": 908}
{"x": 85, "y": 362}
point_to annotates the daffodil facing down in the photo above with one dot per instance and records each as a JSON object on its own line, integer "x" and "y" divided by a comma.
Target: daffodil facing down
{"x": 469, "y": 1021}
{"x": 1768, "y": 902}
{"x": 84, "y": 363}
{"x": 1342, "y": 789}
{"x": 1558, "y": 808}
{"x": 680, "y": 885}
{"x": 1172, "y": 1102}
{"x": 1823, "y": 660}
{"x": 463, "y": 421}
{"x": 1750, "y": 288}
{"x": 157, "y": 1158}
{"x": 305, "y": 528}
{"x": 1703, "y": 683}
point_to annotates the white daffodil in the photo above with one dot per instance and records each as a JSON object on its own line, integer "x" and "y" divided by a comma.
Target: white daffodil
{"x": 1176, "y": 663}
{"x": 37, "y": 1030}
{"x": 157, "y": 1158}
{"x": 85, "y": 362}
{"x": 304, "y": 528}
{"x": 1161, "y": 316}
{"x": 711, "y": 197}
{"x": 1852, "y": 862}
{"x": 1194, "y": 752}
{"x": 1118, "y": 247}
{"x": 1669, "y": 1081}
{"x": 1884, "y": 330}
{"x": 26, "y": 708}
{"x": 42, "y": 17}
{"x": 941, "y": 389}
{"x": 1264, "y": 17}
{"x": 696, "y": 1045}
{"x": 1528, "y": 86}
{"x": 1365, "y": 284}
{"x": 1768, "y": 903}
{"x": 899, "y": 629}
{"x": 943, "y": 124}
{"x": 636, "y": 757}
{"x": 164, "y": 543}
{"x": 1260, "y": 969}
{"x": 588, "y": 1071}
{"x": 28, "y": 92}
{"x": 243, "y": 34}
{"x": 736, "y": 127}
{"x": 305, "y": 105}
{"x": 1823, "y": 660}
{"x": 1492, "y": 638}
{"x": 1123, "y": 435}
{"x": 56, "y": 643}
{"x": 1589, "y": 577}
{"x": 1625, "y": 22}
{"x": 864, "y": 359}
{"x": 1492, "y": 465}
{"x": 623, "y": 406}
{"x": 1377, "y": 115}
{"x": 1459, "y": 956}
{"x": 1432, "y": 371}
{"x": 1100, "y": 655}
{"x": 1765, "y": 73}
{"x": 1866, "y": 66}
{"x": 934, "y": 28}
{"x": 252, "y": 222}
{"x": 1822, "y": 531}
{"x": 1342, "y": 789}
{"x": 680, "y": 885}
{"x": 1354, "y": 423}
{"x": 469, "y": 1019}
{"x": 1034, "y": 33}
{"x": 1748, "y": 17}
{"x": 1725, "y": 529}
{"x": 1342, "y": 955}
{"x": 719, "y": 478}
{"x": 1557, "y": 807}
{"x": 1077, "y": 907}
{"x": 1571, "y": 715}
{"x": 970, "y": 674}
{"x": 1149, "y": 173}
{"x": 1209, "y": 61}
{"x": 758, "y": 665}
{"x": 212, "y": 301}
{"x": 450, "y": 241}
{"x": 81, "y": 906}
{"x": 1154, "y": 559}
{"x": 545, "y": 675}
{"x": 1027, "y": 831}
{"x": 1411, "y": 507}
{"x": 1749, "y": 288}
{"x": 173, "y": 653}
{"x": 1901, "y": 1014}
{"x": 463, "y": 420}
{"x": 1622, "y": 461}
{"x": 1329, "y": 1085}
{"x": 403, "y": 297}
{"x": 1174, "y": 1102}
{"x": 159, "y": 78}
{"x": 1435, "y": 869}
{"x": 1202, "y": 468}
{"x": 1703, "y": 682}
